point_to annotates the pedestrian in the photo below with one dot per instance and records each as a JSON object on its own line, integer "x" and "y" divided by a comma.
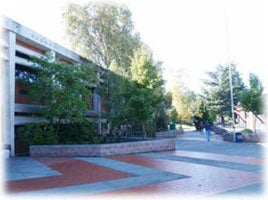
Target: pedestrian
{"x": 207, "y": 130}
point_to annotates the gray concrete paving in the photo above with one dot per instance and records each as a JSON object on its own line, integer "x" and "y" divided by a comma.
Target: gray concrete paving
{"x": 195, "y": 141}
{"x": 210, "y": 162}
{"x": 25, "y": 168}
{"x": 20, "y": 168}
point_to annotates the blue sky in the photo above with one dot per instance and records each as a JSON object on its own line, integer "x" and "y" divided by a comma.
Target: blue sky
{"x": 183, "y": 34}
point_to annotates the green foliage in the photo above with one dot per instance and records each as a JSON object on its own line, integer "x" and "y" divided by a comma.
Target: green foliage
{"x": 138, "y": 97}
{"x": 201, "y": 115}
{"x": 113, "y": 93}
{"x": 37, "y": 134}
{"x": 145, "y": 96}
{"x": 64, "y": 90}
{"x": 217, "y": 91}
{"x": 69, "y": 133}
{"x": 160, "y": 116}
{"x": 79, "y": 133}
{"x": 247, "y": 130}
{"x": 182, "y": 98}
{"x": 140, "y": 103}
{"x": 144, "y": 70}
{"x": 251, "y": 98}
{"x": 102, "y": 32}
{"x": 133, "y": 90}
{"x": 173, "y": 115}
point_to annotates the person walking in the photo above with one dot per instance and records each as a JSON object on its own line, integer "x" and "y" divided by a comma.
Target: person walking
{"x": 207, "y": 130}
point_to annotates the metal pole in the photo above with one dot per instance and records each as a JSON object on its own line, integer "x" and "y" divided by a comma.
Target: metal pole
{"x": 230, "y": 71}
{"x": 231, "y": 94}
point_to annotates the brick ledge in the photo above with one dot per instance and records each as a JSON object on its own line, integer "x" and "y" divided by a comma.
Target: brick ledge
{"x": 102, "y": 149}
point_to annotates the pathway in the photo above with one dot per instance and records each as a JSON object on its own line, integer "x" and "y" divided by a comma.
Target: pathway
{"x": 196, "y": 167}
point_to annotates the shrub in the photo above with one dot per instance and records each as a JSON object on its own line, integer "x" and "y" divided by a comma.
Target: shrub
{"x": 38, "y": 133}
{"x": 79, "y": 133}
{"x": 247, "y": 130}
{"x": 71, "y": 133}
{"x": 65, "y": 94}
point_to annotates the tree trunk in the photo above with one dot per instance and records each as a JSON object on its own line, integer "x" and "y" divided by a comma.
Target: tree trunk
{"x": 144, "y": 131}
{"x": 222, "y": 121}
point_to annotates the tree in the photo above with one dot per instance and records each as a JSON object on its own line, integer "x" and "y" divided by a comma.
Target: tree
{"x": 173, "y": 115}
{"x": 147, "y": 91}
{"x": 161, "y": 112}
{"x": 217, "y": 91}
{"x": 102, "y": 32}
{"x": 182, "y": 98}
{"x": 251, "y": 98}
{"x": 64, "y": 91}
{"x": 114, "y": 93}
{"x": 200, "y": 115}
{"x": 139, "y": 97}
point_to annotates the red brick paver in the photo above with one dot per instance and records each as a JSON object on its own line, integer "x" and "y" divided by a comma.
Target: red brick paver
{"x": 204, "y": 180}
{"x": 73, "y": 172}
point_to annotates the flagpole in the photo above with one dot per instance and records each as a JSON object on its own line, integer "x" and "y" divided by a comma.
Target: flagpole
{"x": 230, "y": 70}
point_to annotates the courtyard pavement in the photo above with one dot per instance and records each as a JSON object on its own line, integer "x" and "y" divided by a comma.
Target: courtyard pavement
{"x": 198, "y": 168}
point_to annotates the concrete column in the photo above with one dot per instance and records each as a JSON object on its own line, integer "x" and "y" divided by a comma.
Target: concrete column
{"x": 9, "y": 93}
{"x": 96, "y": 103}
{"x": 3, "y": 60}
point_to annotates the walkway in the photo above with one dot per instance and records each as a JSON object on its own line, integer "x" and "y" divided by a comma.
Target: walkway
{"x": 197, "y": 167}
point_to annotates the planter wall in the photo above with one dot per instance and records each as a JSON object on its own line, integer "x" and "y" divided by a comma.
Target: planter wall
{"x": 102, "y": 149}
{"x": 168, "y": 134}
{"x": 253, "y": 137}
{"x": 248, "y": 137}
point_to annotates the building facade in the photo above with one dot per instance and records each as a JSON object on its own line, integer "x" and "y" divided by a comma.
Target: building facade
{"x": 17, "y": 44}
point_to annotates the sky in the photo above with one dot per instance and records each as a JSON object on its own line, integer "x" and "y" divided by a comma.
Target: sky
{"x": 190, "y": 36}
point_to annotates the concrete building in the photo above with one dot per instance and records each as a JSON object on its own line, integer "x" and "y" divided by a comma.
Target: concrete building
{"x": 17, "y": 44}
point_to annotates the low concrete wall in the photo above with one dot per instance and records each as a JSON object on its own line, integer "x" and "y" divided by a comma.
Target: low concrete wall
{"x": 168, "y": 134}
{"x": 247, "y": 137}
{"x": 253, "y": 137}
{"x": 102, "y": 149}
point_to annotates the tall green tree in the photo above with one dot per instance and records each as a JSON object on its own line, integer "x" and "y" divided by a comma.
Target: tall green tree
{"x": 148, "y": 93}
{"x": 162, "y": 112}
{"x": 145, "y": 71}
{"x": 113, "y": 91}
{"x": 183, "y": 99}
{"x": 217, "y": 90}
{"x": 201, "y": 114}
{"x": 251, "y": 98}
{"x": 102, "y": 32}
{"x": 138, "y": 97}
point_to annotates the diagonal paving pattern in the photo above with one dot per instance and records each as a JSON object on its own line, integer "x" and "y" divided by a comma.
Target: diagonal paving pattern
{"x": 217, "y": 156}
{"x": 74, "y": 172}
{"x": 196, "y": 167}
{"x": 210, "y": 162}
{"x": 204, "y": 179}
{"x": 141, "y": 176}
{"x": 19, "y": 169}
